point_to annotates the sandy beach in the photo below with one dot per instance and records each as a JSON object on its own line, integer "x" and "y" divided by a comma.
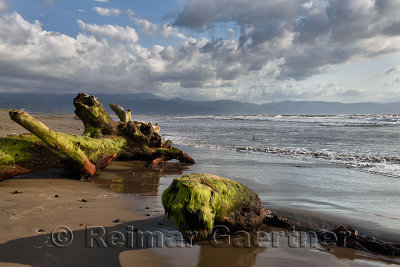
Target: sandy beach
{"x": 200, "y": 133}
{"x": 124, "y": 198}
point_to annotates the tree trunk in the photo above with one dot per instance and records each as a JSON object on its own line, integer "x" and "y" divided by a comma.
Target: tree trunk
{"x": 103, "y": 141}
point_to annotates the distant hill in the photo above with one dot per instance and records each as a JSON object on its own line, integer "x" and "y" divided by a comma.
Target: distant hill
{"x": 147, "y": 104}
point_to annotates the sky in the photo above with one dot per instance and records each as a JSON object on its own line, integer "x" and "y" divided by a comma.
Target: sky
{"x": 247, "y": 50}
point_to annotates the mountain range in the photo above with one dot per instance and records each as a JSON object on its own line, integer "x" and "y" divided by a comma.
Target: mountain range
{"x": 149, "y": 104}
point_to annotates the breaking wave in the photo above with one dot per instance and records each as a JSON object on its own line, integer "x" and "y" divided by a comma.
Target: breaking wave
{"x": 366, "y": 143}
{"x": 382, "y": 165}
{"x": 322, "y": 120}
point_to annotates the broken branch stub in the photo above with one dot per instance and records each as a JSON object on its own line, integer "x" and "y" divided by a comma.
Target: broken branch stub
{"x": 124, "y": 116}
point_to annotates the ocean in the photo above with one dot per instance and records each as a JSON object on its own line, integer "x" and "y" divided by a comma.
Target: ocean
{"x": 324, "y": 170}
{"x": 320, "y": 170}
{"x": 367, "y": 143}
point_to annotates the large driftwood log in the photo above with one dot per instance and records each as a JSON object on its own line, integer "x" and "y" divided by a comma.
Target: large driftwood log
{"x": 103, "y": 141}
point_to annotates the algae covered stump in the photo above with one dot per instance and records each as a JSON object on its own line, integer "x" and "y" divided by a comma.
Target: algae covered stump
{"x": 103, "y": 141}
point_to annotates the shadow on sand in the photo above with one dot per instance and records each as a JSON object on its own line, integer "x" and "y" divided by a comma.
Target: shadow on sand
{"x": 86, "y": 250}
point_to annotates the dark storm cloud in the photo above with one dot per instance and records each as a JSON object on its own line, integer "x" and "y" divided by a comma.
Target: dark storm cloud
{"x": 307, "y": 34}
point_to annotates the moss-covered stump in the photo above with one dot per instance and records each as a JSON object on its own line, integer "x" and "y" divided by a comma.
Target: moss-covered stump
{"x": 198, "y": 202}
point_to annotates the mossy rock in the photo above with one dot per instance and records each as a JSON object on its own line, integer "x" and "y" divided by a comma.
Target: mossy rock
{"x": 198, "y": 202}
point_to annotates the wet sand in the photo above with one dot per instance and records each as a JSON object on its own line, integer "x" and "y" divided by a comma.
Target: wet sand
{"x": 130, "y": 195}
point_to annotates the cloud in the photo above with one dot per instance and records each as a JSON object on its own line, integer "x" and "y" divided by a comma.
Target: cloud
{"x": 81, "y": 10}
{"x": 168, "y": 30}
{"x": 148, "y": 28}
{"x": 115, "y": 32}
{"x": 393, "y": 70}
{"x": 265, "y": 56}
{"x": 3, "y": 6}
{"x": 107, "y": 11}
{"x": 100, "y": 1}
{"x": 308, "y": 36}
{"x": 32, "y": 59}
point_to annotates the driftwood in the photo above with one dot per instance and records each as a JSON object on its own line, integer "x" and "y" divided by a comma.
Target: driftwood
{"x": 103, "y": 141}
{"x": 341, "y": 235}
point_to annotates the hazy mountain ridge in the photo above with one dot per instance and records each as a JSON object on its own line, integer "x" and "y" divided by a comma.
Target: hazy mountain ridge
{"x": 146, "y": 103}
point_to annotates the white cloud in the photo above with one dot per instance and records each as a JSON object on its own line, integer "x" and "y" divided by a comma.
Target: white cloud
{"x": 32, "y": 59}
{"x": 308, "y": 5}
{"x": 309, "y": 35}
{"x": 262, "y": 64}
{"x": 37, "y": 60}
{"x": 101, "y": 1}
{"x": 393, "y": 70}
{"x": 107, "y": 11}
{"x": 81, "y": 10}
{"x": 115, "y": 32}
{"x": 168, "y": 30}
{"x": 3, "y": 6}
{"x": 148, "y": 27}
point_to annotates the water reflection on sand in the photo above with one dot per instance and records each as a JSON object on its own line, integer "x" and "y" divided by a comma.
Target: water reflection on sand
{"x": 135, "y": 177}
{"x": 138, "y": 180}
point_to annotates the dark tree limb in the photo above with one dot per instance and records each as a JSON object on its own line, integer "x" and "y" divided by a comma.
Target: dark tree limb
{"x": 345, "y": 235}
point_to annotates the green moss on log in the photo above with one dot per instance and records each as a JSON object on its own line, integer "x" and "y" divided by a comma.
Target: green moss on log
{"x": 100, "y": 116}
{"x": 168, "y": 143}
{"x": 139, "y": 138}
{"x": 19, "y": 148}
{"x": 94, "y": 148}
{"x": 167, "y": 151}
{"x": 54, "y": 140}
{"x": 198, "y": 201}
{"x": 91, "y": 131}
{"x": 95, "y": 118}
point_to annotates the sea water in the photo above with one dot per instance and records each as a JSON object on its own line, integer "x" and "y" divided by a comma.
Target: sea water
{"x": 320, "y": 169}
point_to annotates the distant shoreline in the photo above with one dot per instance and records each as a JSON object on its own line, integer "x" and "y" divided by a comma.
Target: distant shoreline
{"x": 148, "y": 104}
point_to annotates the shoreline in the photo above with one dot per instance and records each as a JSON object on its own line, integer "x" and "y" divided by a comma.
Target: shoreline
{"x": 36, "y": 208}
{"x": 304, "y": 194}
